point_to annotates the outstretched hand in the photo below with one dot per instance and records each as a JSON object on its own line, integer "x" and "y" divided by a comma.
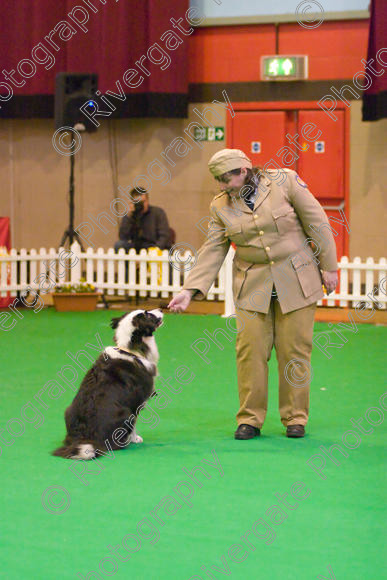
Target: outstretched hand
{"x": 181, "y": 301}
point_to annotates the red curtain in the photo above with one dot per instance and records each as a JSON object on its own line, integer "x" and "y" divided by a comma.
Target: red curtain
{"x": 375, "y": 97}
{"x": 106, "y": 37}
{"x": 5, "y": 242}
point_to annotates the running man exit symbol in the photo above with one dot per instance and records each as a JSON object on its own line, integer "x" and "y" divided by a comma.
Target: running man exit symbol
{"x": 273, "y": 67}
{"x": 211, "y": 134}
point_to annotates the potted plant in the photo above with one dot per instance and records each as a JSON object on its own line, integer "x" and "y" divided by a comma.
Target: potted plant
{"x": 75, "y": 297}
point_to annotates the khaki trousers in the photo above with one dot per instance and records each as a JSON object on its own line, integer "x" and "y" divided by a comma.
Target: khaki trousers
{"x": 291, "y": 334}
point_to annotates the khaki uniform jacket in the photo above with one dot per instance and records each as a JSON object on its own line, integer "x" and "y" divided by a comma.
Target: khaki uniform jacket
{"x": 273, "y": 245}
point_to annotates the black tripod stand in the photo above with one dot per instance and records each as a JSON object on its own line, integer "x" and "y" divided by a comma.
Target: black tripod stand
{"x": 70, "y": 234}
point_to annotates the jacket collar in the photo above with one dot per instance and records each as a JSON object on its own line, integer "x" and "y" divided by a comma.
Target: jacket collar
{"x": 264, "y": 187}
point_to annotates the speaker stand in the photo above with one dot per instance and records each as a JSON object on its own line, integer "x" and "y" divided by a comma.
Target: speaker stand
{"x": 70, "y": 234}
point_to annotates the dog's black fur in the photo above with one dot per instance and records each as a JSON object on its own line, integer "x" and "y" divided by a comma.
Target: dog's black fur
{"x": 113, "y": 389}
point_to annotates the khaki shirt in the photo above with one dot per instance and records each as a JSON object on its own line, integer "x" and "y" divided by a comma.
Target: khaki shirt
{"x": 272, "y": 245}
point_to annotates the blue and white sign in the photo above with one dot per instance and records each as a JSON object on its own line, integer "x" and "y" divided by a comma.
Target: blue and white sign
{"x": 319, "y": 147}
{"x": 256, "y": 146}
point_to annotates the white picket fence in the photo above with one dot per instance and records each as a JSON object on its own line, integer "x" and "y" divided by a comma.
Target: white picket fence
{"x": 146, "y": 273}
{"x": 150, "y": 274}
{"x": 357, "y": 279}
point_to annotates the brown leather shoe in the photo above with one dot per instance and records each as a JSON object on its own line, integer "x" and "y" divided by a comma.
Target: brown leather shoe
{"x": 246, "y": 432}
{"x": 295, "y": 431}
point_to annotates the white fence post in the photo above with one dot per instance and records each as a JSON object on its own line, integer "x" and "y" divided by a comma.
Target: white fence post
{"x": 176, "y": 284}
{"x": 165, "y": 266}
{"x": 52, "y": 274}
{"x": 143, "y": 272}
{"x": 369, "y": 279}
{"x": 23, "y": 268}
{"x": 344, "y": 288}
{"x": 90, "y": 265}
{"x": 32, "y": 261}
{"x": 110, "y": 271}
{"x": 356, "y": 277}
{"x": 154, "y": 274}
{"x": 4, "y": 281}
{"x": 13, "y": 272}
{"x": 100, "y": 269}
{"x": 133, "y": 264}
{"x": 121, "y": 271}
{"x": 75, "y": 264}
{"x": 382, "y": 285}
{"x": 42, "y": 268}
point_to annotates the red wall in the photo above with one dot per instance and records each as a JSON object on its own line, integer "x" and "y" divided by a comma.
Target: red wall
{"x": 232, "y": 53}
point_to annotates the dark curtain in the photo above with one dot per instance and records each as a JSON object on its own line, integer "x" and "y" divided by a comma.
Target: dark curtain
{"x": 375, "y": 97}
{"x": 5, "y": 242}
{"x": 119, "y": 33}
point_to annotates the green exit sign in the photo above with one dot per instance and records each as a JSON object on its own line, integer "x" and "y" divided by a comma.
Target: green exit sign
{"x": 209, "y": 133}
{"x": 284, "y": 68}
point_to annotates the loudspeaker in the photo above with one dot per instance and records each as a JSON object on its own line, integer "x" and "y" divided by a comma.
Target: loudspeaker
{"x": 72, "y": 90}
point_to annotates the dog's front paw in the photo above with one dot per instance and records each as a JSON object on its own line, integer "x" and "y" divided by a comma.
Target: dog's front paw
{"x": 134, "y": 438}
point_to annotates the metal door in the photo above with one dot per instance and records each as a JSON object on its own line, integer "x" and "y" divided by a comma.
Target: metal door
{"x": 305, "y": 140}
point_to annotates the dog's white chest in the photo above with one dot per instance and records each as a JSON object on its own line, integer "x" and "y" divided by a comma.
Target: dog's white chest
{"x": 117, "y": 353}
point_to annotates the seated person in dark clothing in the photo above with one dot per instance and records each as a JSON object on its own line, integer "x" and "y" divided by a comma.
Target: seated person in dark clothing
{"x": 144, "y": 226}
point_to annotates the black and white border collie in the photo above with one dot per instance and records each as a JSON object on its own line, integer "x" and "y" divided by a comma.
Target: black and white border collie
{"x": 112, "y": 391}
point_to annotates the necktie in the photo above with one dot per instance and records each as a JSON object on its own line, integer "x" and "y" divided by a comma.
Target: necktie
{"x": 250, "y": 199}
{"x": 250, "y": 203}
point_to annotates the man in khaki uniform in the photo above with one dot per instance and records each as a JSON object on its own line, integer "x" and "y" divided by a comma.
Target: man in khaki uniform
{"x": 272, "y": 218}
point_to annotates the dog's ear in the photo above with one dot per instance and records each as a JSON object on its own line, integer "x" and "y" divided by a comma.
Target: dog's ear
{"x": 140, "y": 319}
{"x": 115, "y": 322}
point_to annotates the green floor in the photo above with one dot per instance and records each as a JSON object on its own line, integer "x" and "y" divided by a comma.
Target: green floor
{"x": 335, "y": 532}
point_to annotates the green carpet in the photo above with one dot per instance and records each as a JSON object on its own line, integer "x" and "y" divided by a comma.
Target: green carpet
{"x": 174, "y": 526}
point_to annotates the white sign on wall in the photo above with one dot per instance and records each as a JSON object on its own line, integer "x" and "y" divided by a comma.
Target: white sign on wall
{"x": 319, "y": 147}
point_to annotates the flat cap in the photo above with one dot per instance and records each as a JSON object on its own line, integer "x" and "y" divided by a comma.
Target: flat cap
{"x": 227, "y": 160}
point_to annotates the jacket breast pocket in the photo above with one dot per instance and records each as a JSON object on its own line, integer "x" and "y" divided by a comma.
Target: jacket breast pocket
{"x": 235, "y": 234}
{"x": 308, "y": 276}
{"x": 285, "y": 218}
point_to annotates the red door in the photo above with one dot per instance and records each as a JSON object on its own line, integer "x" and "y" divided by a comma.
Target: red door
{"x": 259, "y": 134}
{"x": 322, "y": 164}
{"x": 305, "y": 140}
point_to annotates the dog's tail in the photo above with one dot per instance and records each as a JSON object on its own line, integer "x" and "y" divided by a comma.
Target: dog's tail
{"x": 76, "y": 451}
